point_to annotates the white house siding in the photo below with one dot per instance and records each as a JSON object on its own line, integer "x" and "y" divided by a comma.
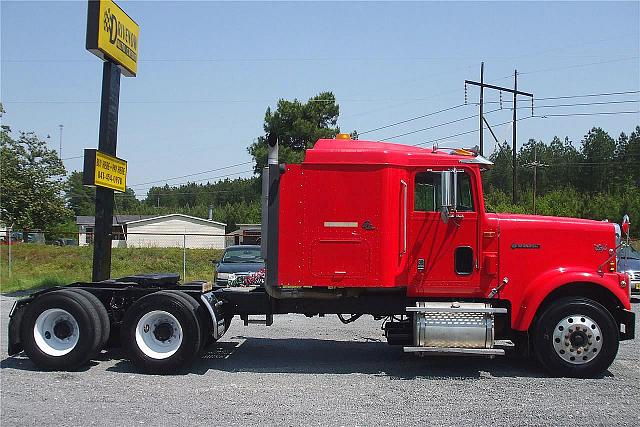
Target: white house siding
{"x": 164, "y": 232}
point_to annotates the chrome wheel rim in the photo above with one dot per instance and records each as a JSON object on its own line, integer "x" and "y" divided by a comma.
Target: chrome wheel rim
{"x": 158, "y": 334}
{"x": 56, "y": 332}
{"x": 577, "y": 339}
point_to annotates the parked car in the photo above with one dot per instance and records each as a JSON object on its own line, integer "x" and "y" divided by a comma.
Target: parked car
{"x": 65, "y": 242}
{"x": 629, "y": 262}
{"x": 240, "y": 264}
{"x": 5, "y": 241}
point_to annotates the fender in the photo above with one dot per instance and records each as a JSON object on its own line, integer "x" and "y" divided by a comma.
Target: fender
{"x": 525, "y": 309}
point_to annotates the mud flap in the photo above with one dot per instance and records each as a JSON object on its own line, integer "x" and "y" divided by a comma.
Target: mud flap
{"x": 15, "y": 320}
{"x": 628, "y": 319}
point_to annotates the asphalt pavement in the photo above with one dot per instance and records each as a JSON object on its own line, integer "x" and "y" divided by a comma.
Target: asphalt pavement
{"x": 316, "y": 371}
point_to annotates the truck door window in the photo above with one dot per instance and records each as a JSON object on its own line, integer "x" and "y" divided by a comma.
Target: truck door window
{"x": 465, "y": 197}
{"x": 427, "y": 192}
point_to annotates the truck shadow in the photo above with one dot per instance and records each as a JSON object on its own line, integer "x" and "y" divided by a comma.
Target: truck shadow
{"x": 22, "y": 363}
{"x": 318, "y": 356}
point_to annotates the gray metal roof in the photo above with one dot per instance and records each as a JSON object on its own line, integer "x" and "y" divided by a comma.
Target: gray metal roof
{"x": 117, "y": 219}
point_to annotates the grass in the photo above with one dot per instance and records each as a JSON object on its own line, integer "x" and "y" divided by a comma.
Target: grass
{"x": 37, "y": 266}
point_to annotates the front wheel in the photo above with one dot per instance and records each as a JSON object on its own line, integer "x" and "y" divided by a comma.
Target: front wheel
{"x": 575, "y": 337}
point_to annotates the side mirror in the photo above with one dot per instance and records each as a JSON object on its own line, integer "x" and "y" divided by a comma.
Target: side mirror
{"x": 214, "y": 261}
{"x": 626, "y": 223}
{"x": 449, "y": 194}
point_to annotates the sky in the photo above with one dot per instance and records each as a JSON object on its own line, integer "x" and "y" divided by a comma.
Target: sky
{"x": 208, "y": 71}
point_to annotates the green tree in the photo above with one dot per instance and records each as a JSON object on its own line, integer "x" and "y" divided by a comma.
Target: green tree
{"x": 598, "y": 151}
{"x": 627, "y": 158}
{"x": 80, "y": 198}
{"x": 298, "y": 126}
{"x": 32, "y": 183}
{"x": 499, "y": 176}
{"x": 126, "y": 203}
{"x": 563, "y": 170}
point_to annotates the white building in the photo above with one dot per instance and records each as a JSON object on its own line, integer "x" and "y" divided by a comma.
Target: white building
{"x": 246, "y": 234}
{"x": 176, "y": 230}
{"x": 166, "y": 231}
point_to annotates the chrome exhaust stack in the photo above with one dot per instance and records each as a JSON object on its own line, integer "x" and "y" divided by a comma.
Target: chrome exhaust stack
{"x": 271, "y": 216}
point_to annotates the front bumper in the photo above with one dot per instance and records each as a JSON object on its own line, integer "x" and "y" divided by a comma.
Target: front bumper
{"x": 634, "y": 281}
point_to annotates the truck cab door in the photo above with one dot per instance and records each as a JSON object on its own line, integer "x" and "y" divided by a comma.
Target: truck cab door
{"x": 443, "y": 256}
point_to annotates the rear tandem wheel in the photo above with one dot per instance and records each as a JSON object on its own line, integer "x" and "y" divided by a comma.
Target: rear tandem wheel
{"x": 60, "y": 330}
{"x": 161, "y": 332}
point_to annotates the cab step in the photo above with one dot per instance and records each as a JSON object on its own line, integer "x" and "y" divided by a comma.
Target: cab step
{"x": 455, "y": 350}
{"x": 266, "y": 320}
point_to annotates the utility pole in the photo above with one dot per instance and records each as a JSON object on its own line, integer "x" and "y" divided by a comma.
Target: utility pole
{"x": 60, "y": 151}
{"x": 481, "y": 108}
{"x": 515, "y": 92}
{"x": 535, "y": 165}
{"x": 514, "y": 162}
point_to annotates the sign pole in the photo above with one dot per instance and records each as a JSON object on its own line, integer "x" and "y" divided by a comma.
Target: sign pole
{"x": 104, "y": 196}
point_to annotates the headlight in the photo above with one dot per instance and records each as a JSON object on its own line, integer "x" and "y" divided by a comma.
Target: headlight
{"x": 223, "y": 276}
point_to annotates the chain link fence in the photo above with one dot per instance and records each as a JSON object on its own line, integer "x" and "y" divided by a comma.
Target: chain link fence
{"x": 37, "y": 258}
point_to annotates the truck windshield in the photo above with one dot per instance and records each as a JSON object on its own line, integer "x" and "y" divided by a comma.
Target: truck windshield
{"x": 242, "y": 255}
{"x": 427, "y": 196}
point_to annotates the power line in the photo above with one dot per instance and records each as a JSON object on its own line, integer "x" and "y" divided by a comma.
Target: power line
{"x": 530, "y": 117}
{"x": 435, "y": 126}
{"x": 580, "y": 104}
{"x": 472, "y": 131}
{"x": 626, "y": 92}
{"x": 527, "y": 107}
{"x": 92, "y": 196}
{"x": 192, "y": 174}
{"x": 411, "y": 119}
{"x": 563, "y": 105}
{"x": 201, "y": 180}
{"x": 543, "y": 70}
{"x": 588, "y": 114}
{"x": 212, "y": 100}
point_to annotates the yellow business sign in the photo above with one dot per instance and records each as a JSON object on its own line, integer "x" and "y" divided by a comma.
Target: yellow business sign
{"x": 113, "y": 35}
{"x": 103, "y": 170}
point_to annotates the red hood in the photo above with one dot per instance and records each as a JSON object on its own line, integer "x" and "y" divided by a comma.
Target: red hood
{"x": 542, "y": 219}
{"x": 557, "y": 241}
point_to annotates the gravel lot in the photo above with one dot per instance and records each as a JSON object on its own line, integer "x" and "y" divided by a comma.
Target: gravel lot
{"x": 317, "y": 372}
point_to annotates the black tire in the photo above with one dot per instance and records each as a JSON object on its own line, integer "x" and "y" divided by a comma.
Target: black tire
{"x": 102, "y": 314}
{"x": 182, "y": 312}
{"x": 594, "y": 363}
{"x": 204, "y": 318}
{"x": 88, "y": 329}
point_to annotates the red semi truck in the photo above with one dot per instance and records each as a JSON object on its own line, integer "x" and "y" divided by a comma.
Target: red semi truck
{"x": 368, "y": 228}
